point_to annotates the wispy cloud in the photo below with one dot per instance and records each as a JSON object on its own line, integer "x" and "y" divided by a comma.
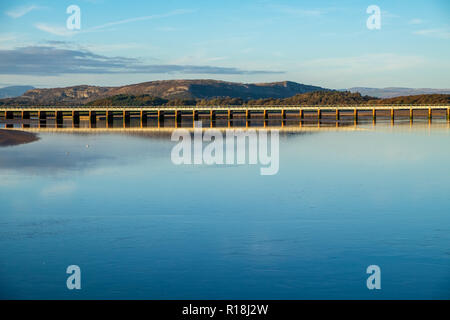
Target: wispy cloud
{"x": 435, "y": 33}
{"x": 64, "y": 32}
{"x": 21, "y": 11}
{"x": 297, "y": 11}
{"x": 7, "y": 37}
{"x": 143, "y": 18}
{"x": 389, "y": 15}
{"x": 50, "y": 60}
{"x": 55, "y": 30}
{"x": 216, "y": 59}
{"x": 166, "y": 29}
{"x": 415, "y": 21}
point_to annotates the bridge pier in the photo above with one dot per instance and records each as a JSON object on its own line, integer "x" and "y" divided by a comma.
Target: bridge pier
{"x": 92, "y": 119}
{"x": 109, "y": 119}
{"x": 160, "y": 118}
{"x": 337, "y": 115}
{"x": 59, "y": 119}
{"x": 75, "y": 119}
{"x": 26, "y": 115}
{"x": 126, "y": 119}
{"x": 448, "y": 114}
{"x": 319, "y": 114}
{"x": 178, "y": 118}
{"x": 143, "y": 118}
{"x": 212, "y": 118}
{"x": 9, "y": 115}
{"x": 42, "y": 115}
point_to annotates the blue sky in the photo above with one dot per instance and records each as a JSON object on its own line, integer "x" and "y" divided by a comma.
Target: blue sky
{"x": 323, "y": 43}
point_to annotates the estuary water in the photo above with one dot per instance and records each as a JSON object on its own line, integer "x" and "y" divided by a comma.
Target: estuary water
{"x": 140, "y": 227}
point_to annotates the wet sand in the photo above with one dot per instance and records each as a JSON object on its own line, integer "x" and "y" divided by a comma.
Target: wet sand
{"x": 13, "y": 137}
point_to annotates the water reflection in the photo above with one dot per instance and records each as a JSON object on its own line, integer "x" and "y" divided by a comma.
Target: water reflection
{"x": 141, "y": 227}
{"x": 170, "y": 124}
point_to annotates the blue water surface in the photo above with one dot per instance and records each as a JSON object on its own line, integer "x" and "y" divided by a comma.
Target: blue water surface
{"x": 141, "y": 227}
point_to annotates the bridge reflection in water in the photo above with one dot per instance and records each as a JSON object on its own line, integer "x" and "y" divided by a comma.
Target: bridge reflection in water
{"x": 212, "y": 117}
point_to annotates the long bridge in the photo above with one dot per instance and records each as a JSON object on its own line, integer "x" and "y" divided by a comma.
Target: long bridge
{"x": 213, "y": 113}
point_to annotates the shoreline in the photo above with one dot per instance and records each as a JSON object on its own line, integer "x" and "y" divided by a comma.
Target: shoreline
{"x": 10, "y": 138}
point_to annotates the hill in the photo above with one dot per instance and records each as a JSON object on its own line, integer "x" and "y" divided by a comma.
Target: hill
{"x": 418, "y": 99}
{"x": 168, "y": 89}
{"x": 13, "y": 91}
{"x": 318, "y": 98}
{"x": 392, "y": 92}
{"x": 310, "y": 98}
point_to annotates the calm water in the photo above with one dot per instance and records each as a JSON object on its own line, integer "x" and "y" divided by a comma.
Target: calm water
{"x": 140, "y": 227}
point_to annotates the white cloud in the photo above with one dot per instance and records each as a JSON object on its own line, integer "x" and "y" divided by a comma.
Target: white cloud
{"x": 212, "y": 59}
{"x": 156, "y": 16}
{"x": 415, "y": 21}
{"x": 166, "y": 29}
{"x": 21, "y": 11}
{"x": 56, "y": 30}
{"x": 389, "y": 15}
{"x": 63, "y": 31}
{"x": 297, "y": 11}
{"x": 51, "y": 60}
{"x": 4, "y": 37}
{"x": 435, "y": 33}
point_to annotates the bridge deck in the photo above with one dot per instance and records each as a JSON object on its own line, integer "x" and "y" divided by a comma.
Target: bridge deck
{"x": 214, "y": 113}
{"x": 224, "y": 108}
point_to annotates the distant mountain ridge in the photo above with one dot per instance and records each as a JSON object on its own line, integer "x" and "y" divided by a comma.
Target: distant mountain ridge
{"x": 167, "y": 89}
{"x": 391, "y": 92}
{"x": 193, "y": 91}
{"x": 13, "y": 91}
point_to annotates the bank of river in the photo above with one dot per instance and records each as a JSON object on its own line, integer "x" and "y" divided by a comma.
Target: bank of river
{"x": 12, "y": 137}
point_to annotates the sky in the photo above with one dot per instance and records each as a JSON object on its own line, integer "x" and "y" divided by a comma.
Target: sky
{"x": 323, "y": 43}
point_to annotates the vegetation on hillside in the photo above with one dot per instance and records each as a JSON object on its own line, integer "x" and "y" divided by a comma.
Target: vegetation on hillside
{"x": 129, "y": 100}
{"x": 317, "y": 98}
{"x": 310, "y": 98}
{"x": 418, "y": 99}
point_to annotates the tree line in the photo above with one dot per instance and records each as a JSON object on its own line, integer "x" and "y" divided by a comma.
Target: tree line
{"x": 310, "y": 98}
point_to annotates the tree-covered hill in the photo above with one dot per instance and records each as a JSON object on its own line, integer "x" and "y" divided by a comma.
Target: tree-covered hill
{"x": 310, "y": 98}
